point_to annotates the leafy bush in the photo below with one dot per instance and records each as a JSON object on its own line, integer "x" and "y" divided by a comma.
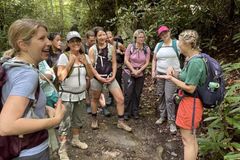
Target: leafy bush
{"x": 221, "y": 140}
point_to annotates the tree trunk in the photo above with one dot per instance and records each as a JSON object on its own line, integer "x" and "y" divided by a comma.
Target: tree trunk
{"x": 61, "y": 14}
{"x": 51, "y": 4}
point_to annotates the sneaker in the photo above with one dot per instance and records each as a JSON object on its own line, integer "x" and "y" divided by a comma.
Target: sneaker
{"x": 173, "y": 128}
{"x": 89, "y": 110}
{"x": 136, "y": 116}
{"x": 63, "y": 155}
{"x": 94, "y": 124}
{"x": 160, "y": 121}
{"x": 79, "y": 144}
{"x": 124, "y": 126}
{"x": 106, "y": 112}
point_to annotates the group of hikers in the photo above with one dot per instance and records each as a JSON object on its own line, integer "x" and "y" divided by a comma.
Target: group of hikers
{"x": 42, "y": 79}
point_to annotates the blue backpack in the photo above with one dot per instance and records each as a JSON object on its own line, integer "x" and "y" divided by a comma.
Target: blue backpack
{"x": 181, "y": 57}
{"x": 213, "y": 91}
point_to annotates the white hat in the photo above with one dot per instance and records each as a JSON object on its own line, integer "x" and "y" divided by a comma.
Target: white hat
{"x": 73, "y": 34}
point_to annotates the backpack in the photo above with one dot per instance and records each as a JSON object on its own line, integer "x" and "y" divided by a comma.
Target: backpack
{"x": 181, "y": 57}
{"x": 213, "y": 90}
{"x": 119, "y": 56}
{"x": 133, "y": 47}
{"x": 103, "y": 63}
{"x": 11, "y": 146}
{"x": 87, "y": 67}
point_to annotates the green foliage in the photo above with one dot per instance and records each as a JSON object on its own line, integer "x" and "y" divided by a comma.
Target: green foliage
{"x": 236, "y": 38}
{"x": 221, "y": 139}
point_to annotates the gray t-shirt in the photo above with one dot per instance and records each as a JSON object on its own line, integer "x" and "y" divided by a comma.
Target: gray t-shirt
{"x": 74, "y": 86}
{"x": 23, "y": 81}
{"x": 166, "y": 57}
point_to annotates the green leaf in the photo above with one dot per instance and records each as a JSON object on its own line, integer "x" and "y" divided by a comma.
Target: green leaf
{"x": 233, "y": 122}
{"x": 235, "y": 110}
{"x": 232, "y": 156}
{"x": 210, "y": 118}
{"x": 236, "y": 145}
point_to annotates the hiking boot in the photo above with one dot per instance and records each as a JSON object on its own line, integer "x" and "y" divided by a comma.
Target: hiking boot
{"x": 124, "y": 126}
{"x": 89, "y": 110}
{"x": 62, "y": 151}
{"x": 173, "y": 128}
{"x": 160, "y": 121}
{"x": 79, "y": 144}
{"x": 94, "y": 124}
{"x": 106, "y": 112}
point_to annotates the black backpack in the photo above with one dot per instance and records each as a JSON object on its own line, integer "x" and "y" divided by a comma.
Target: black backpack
{"x": 119, "y": 56}
{"x": 103, "y": 61}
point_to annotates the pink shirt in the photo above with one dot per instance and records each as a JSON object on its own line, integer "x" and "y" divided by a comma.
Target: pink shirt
{"x": 137, "y": 58}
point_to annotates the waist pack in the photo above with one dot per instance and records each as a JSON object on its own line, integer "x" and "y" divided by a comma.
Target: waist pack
{"x": 11, "y": 146}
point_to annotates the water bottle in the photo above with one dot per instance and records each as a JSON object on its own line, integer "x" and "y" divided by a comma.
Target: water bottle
{"x": 213, "y": 86}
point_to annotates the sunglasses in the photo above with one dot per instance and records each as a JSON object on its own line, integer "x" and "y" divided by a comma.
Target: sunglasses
{"x": 74, "y": 40}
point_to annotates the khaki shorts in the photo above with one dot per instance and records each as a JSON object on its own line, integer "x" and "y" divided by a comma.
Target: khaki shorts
{"x": 98, "y": 86}
{"x": 72, "y": 117}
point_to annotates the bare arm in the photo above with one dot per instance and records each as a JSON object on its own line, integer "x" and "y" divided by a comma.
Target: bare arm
{"x": 63, "y": 71}
{"x": 179, "y": 83}
{"x": 12, "y": 123}
{"x": 146, "y": 63}
{"x": 114, "y": 63}
{"x": 128, "y": 64}
{"x": 154, "y": 60}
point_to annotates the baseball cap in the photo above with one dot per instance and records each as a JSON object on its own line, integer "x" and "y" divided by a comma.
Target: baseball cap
{"x": 73, "y": 34}
{"x": 162, "y": 29}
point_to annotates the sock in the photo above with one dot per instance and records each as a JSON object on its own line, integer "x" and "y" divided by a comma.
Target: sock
{"x": 94, "y": 115}
{"x": 121, "y": 117}
{"x": 75, "y": 137}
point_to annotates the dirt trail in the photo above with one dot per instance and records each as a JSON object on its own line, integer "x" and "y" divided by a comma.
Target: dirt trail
{"x": 147, "y": 141}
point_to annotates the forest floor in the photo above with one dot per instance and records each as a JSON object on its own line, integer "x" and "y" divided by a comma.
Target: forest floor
{"x": 148, "y": 141}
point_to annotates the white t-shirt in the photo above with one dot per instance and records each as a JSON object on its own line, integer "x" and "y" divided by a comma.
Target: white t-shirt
{"x": 73, "y": 87}
{"x": 166, "y": 56}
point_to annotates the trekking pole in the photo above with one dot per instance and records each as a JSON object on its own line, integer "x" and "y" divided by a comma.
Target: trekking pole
{"x": 193, "y": 114}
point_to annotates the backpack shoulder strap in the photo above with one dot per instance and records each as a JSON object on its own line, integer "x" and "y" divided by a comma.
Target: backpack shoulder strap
{"x": 133, "y": 47}
{"x": 174, "y": 45}
{"x": 71, "y": 70}
{"x": 145, "y": 49}
{"x": 95, "y": 52}
{"x": 159, "y": 45}
{"x": 110, "y": 51}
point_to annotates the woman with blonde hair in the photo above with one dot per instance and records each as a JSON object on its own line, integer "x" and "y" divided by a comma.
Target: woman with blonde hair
{"x": 22, "y": 116}
{"x": 190, "y": 109}
{"x": 136, "y": 58}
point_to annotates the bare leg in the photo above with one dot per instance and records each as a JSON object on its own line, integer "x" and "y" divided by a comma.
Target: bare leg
{"x": 190, "y": 144}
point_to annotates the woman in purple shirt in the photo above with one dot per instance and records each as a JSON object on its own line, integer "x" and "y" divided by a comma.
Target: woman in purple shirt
{"x": 137, "y": 57}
